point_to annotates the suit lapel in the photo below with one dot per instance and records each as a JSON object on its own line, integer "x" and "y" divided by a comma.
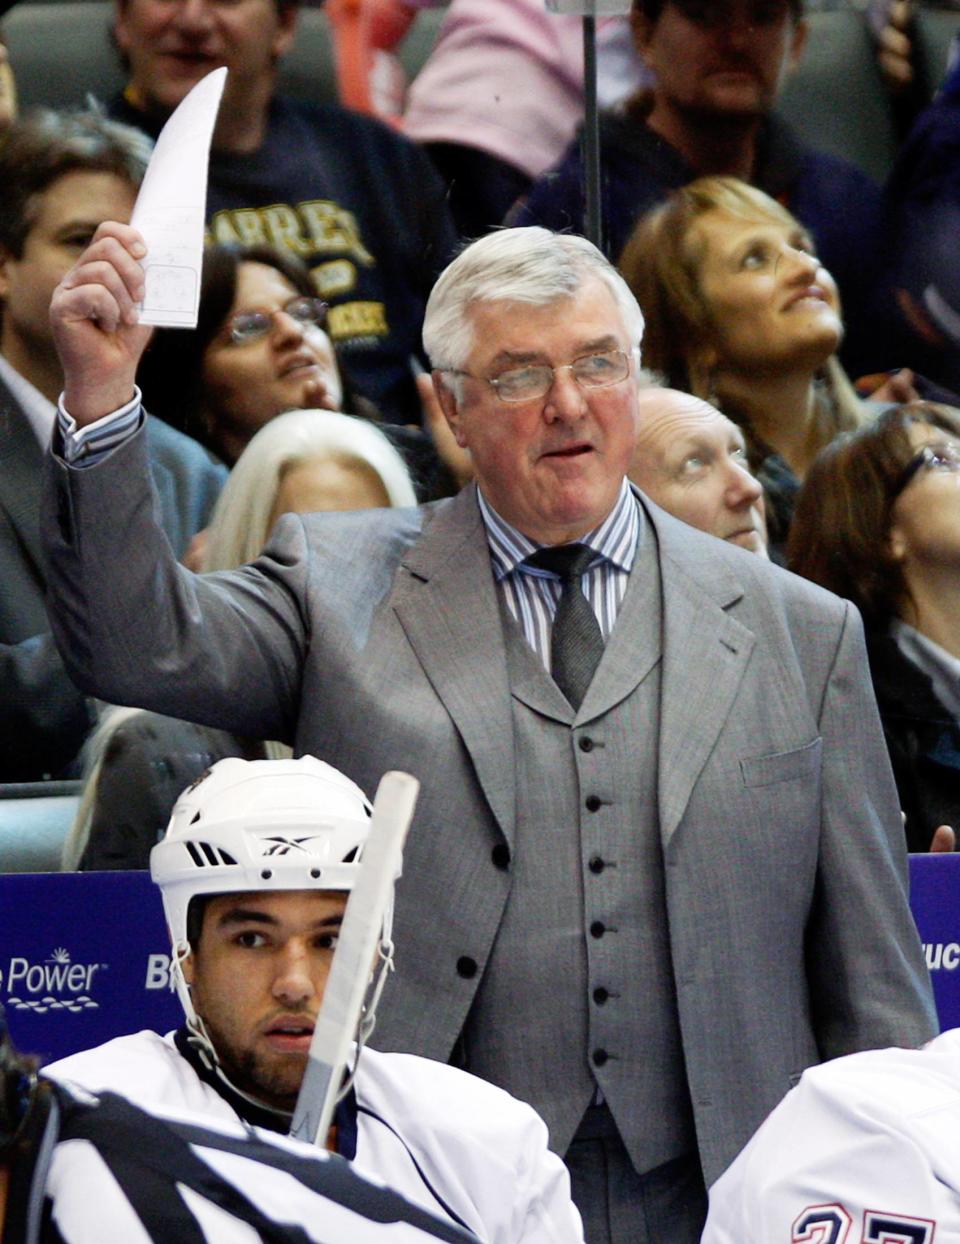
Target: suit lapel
{"x": 448, "y": 607}
{"x": 705, "y": 653}
{"x": 21, "y": 462}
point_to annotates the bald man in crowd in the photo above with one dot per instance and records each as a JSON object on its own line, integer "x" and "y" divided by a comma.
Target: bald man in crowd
{"x": 692, "y": 461}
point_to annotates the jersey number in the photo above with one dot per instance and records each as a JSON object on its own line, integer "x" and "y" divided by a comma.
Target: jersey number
{"x": 880, "y": 1228}
{"x": 822, "y": 1224}
{"x": 830, "y": 1224}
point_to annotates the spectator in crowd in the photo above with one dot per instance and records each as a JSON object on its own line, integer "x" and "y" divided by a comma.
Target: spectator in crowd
{"x": 138, "y": 763}
{"x": 919, "y": 284}
{"x": 729, "y": 702}
{"x": 863, "y": 1149}
{"x": 360, "y": 204}
{"x": 260, "y": 347}
{"x": 8, "y": 88}
{"x": 878, "y": 521}
{"x": 62, "y": 174}
{"x": 909, "y": 72}
{"x": 501, "y": 94}
{"x": 719, "y": 67}
{"x": 692, "y": 460}
{"x": 742, "y": 313}
{"x": 253, "y": 934}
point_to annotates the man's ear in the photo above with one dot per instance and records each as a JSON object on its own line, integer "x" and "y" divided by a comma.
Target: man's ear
{"x": 642, "y": 29}
{"x": 6, "y": 259}
{"x": 121, "y": 33}
{"x": 450, "y": 407}
{"x": 286, "y": 31}
{"x": 798, "y": 43}
{"x": 186, "y": 967}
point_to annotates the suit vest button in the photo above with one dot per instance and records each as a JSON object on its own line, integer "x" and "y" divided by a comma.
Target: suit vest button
{"x": 598, "y": 928}
{"x": 596, "y": 864}
{"x": 501, "y": 856}
{"x": 586, "y": 744}
{"x": 600, "y": 995}
{"x": 599, "y": 1057}
{"x": 466, "y": 967}
{"x": 593, "y": 803}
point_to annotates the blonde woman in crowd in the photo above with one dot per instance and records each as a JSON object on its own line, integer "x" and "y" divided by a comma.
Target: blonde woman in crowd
{"x": 740, "y": 312}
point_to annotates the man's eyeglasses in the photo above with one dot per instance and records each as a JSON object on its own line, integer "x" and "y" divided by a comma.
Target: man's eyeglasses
{"x": 247, "y": 326}
{"x": 526, "y": 384}
{"x": 942, "y": 458}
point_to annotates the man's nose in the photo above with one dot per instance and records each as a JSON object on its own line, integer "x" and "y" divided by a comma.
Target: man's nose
{"x": 743, "y": 489}
{"x": 293, "y": 982}
{"x": 195, "y": 16}
{"x": 565, "y": 398}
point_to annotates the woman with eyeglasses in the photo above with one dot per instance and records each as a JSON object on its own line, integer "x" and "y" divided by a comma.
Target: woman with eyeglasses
{"x": 261, "y": 348}
{"x": 878, "y": 521}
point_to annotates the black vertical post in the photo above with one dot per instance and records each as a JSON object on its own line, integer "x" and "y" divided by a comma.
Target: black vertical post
{"x": 591, "y": 134}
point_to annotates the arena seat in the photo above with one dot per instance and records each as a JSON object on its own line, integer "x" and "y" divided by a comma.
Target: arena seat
{"x": 34, "y": 819}
{"x": 836, "y": 98}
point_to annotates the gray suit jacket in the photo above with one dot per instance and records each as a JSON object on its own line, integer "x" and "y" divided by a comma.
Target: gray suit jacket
{"x": 43, "y": 716}
{"x": 376, "y": 641}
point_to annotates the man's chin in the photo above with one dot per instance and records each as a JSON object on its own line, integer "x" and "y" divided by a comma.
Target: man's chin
{"x": 275, "y": 1085}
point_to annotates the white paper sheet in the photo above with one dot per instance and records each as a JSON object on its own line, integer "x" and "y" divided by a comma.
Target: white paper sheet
{"x": 171, "y": 207}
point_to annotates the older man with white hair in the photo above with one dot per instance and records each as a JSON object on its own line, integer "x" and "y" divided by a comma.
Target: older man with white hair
{"x": 638, "y": 892}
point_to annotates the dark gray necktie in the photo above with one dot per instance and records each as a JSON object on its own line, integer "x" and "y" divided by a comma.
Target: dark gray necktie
{"x": 577, "y": 642}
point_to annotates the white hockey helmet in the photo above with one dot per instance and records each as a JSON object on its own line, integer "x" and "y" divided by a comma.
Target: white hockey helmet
{"x": 254, "y": 825}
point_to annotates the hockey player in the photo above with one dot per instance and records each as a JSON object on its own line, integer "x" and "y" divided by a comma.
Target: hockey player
{"x": 75, "y": 1168}
{"x": 254, "y": 873}
{"x": 865, "y": 1150}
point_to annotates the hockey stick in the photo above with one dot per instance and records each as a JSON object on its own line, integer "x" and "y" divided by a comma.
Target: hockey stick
{"x": 349, "y": 979}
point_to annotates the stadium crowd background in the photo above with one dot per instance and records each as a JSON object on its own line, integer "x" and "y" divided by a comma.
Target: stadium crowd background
{"x": 312, "y": 205}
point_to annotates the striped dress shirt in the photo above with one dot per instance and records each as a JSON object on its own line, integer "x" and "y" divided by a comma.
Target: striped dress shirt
{"x": 532, "y": 594}
{"x": 87, "y": 446}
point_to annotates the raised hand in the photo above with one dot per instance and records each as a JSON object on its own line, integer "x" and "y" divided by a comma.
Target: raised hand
{"x": 95, "y": 323}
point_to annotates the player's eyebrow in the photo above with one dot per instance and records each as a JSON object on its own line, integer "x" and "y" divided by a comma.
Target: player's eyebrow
{"x": 244, "y": 915}
{"x": 252, "y": 915}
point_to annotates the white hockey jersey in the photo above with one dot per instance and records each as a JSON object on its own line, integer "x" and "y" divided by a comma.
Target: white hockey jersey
{"x": 865, "y": 1150}
{"x": 442, "y": 1138}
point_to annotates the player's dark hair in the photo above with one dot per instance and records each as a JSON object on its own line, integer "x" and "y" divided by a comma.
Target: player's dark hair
{"x": 196, "y": 910}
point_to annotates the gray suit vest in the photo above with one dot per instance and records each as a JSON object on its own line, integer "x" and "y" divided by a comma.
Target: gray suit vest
{"x": 587, "y": 899}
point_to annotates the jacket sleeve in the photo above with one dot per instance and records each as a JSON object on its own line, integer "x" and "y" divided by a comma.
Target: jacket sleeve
{"x": 135, "y": 627}
{"x": 868, "y": 984}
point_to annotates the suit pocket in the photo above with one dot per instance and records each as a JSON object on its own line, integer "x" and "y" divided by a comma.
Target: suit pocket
{"x": 802, "y": 763}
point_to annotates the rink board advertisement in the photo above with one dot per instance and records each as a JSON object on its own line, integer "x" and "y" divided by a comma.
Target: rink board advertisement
{"x": 83, "y": 958}
{"x": 935, "y": 900}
